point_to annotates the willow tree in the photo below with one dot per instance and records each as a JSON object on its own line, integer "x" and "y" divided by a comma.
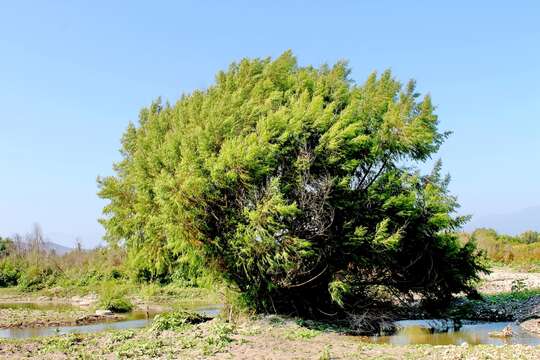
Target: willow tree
{"x": 290, "y": 182}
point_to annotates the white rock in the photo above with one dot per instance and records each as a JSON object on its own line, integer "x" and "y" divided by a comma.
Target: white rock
{"x": 103, "y": 312}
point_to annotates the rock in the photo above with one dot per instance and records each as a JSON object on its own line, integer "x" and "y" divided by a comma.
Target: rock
{"x": 103, "y": 312}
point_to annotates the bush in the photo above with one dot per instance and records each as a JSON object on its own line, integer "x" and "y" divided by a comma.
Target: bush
{"x": 5, "y": 246}
{"x": 289, "y": 181}
{"x": 9, "y": 274}
{"x": 89, "y": 277}
{"x": 176, "y": 320}
{"x": 113, "y": 298}
{"x": 36, "y": 278}
{"x": 117, "y": 305}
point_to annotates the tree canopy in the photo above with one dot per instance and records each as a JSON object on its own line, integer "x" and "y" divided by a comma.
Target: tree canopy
{"x": 292, "y": 182}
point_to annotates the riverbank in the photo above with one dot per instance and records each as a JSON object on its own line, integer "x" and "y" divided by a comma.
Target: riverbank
{"x": 503, "y": 279}
{"x": 33, "y": 318}
{"x": 142, "y": 297}
{"x": 261, "y": 337}
{"x": 268, "y": 337}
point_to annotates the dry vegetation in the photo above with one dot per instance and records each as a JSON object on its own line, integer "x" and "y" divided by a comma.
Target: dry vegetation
{"x": 521, "y": 251}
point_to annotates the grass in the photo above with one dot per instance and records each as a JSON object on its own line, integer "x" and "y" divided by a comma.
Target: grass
{"x": 303, "y": 333}
{"x": 520, "y": 295}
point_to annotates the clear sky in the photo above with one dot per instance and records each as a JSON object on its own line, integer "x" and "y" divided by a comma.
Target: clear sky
{"x": 74, "y": 74}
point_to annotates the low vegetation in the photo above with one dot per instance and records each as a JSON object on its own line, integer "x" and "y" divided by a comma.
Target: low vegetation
{"x": 255, "y": 338}
{"x": 176, "y": 320}
{"x": 29, "y": 269}
{"x": 521, "y": 251}
{"x": 114, "y": 298}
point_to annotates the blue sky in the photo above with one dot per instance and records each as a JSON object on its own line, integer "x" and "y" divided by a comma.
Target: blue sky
{"x": 74, "y": 74}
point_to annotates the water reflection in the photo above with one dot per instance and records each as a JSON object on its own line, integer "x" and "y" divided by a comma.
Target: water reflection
{"x": 430, "y": 332}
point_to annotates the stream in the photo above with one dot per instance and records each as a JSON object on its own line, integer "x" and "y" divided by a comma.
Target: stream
{"x": 437, "y": 332}
{"x": 410, "y": 332}
{"x": 132, "y": 320}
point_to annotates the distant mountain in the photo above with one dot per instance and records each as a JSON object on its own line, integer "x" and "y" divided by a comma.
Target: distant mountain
{"x": 513, "y": 223}
{"x": 49, "y": 246}
{"x": 57, "y": 248}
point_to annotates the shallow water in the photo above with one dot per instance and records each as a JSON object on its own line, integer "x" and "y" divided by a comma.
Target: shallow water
{"x": 133, "y": 320}
{"x": 472, "y": 333}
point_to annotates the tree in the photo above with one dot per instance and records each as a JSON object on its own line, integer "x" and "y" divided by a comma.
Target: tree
{"x": 530, "y": 237}
{"x": 290, "y": 182}
{"x": 6, "y": 245}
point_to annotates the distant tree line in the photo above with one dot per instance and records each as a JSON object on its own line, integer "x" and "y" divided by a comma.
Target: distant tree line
{"x": 26, "y": 262}
{"x": 522, "y": 249}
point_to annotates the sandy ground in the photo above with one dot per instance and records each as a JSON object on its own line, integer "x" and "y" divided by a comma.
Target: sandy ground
{"x": 500, "y": 280}
{"x": 532, "y": 326}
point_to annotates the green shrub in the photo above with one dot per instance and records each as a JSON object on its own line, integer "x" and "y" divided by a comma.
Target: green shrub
{"x": 5, "y": 246}
{"x": 113, "y": 298}
{"x": 116, "y": 274}
{"x": 176, "y": 320}
{"x": 9, "y": 274}
{"x": 89, "y": 277}
{"x": 36, "y": 278}
{"x": 117, "y": 305}
{"x": 219, "y": 336}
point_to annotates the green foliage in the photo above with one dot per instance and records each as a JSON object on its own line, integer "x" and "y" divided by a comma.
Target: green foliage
{"x": 302, "y": 334}
{"x": 113, "y": 298}
{"x": 219, "y": 337}
{"x": 34, "y": 270}
{"x": 9, "y": 273}
{"x": 149, "y": 349}
{"x": 5, "y": 246}
{"x": 519, "y": 295}
{"x": 36, "y": 278}
{"x": 61, "y": 343}
{"x": 289, "y": 182}
{"x": 123, "y": 335}
{"x": 499, "y": 248}
{"x": 530, "y": 237}
{"x": 176, "y": 320}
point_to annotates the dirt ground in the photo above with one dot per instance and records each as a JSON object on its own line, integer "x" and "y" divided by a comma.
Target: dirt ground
{"x": 500, "y": 280}
{"x": 532, "y": 326}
